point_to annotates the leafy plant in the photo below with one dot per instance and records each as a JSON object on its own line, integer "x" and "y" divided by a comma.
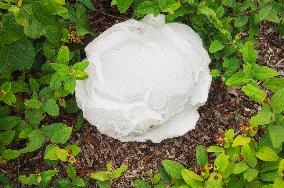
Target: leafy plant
{"x": 104, "y": 178}
{"x": 72, "y": 181}
{"x": 41, "y": 179}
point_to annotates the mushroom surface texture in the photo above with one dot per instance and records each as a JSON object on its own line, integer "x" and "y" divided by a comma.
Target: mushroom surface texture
{"x": 146, "y": 80}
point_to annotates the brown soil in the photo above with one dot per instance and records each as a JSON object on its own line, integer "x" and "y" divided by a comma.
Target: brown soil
{"x": 225, "y": 109}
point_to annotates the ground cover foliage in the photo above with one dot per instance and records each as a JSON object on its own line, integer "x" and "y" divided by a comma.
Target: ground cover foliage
{"x": 41, "y": 56}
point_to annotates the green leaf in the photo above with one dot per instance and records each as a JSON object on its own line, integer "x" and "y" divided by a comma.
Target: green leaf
{"x": 9, "y": 122}
{"x": 215, "y": 149}
{"x": 240, "y": 167}
{"x": 239, "y": 79}
{"x": 276, "y": 133}
{"x": 74, "y": 148}
{"x": 141, "y": 184}
{"x": 47, "y": 175}
{"x": 51, "y": 107}
{"x": 10, "y": 154}
{"x": 147, "y": 7}
{"x": 28, "y": 180}
{"x": 63, "y": 55}
{"x": 34, "y": 29}
{"x": 7, "y": 137}
{"x": 231, "y": 65}
{"x": 222, "y": 161}
{"x": 281, "y": 167}
{"x": 79, "y": 182}
{"x": 71, "y": 171}
{"x": 34, "y": 85}
{"x": 118, "y": 172}
{"x": 278, "y": 182}
{"x": 265, "y": 153}
{"x": 250, "y": 174}
{"x": 215, "y": 73}
{"x": 10, "y": 31}
{"x": 36, "y": 140}
{"x": 17, "y": 56}
{"x": 263, "y": 72}
{"x": 55, "y": 82}
{"x": 188, "y": 174}
{"x": 241, "y": 21}
{"x": 269, "y": 13}
{"x": 123, "y": 5}
{"x": 69, "y": 84}
{"x": 201, "y": 155}
{"x": 263, "y": 117}
{"x": 33, "y": 103}
{"x": 100, "y": 175}
{"x": 254, "y": 92}
{"x": 173, "y": 168}
{"x": 216, "y": 46}
{"x": 241, "y": 140}
{"x": 55, "y": 153}
{"x": 275, "y": 103}
{"x": 88, "y": 3}
{"x": 249, "y": 155}
{"x": 249, "y": 53}
{"x": 81, "y": 65}
{"x": 58, "y": 133}
{"x": 169, "y": 5}
{"x": 274, "y": 84}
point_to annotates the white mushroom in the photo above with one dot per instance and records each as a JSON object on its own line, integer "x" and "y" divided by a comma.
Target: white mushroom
{"x": 146, "y": 80}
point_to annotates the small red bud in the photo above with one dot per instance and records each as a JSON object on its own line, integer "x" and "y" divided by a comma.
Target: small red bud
{"x": 254, "y": 128}
{"x": 69, "y": 152}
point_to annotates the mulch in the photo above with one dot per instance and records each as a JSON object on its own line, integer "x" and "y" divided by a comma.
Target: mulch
{"x": 225, "y": 109}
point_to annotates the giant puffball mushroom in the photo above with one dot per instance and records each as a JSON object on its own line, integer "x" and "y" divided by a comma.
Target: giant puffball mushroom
{"x": 146, "y": 80}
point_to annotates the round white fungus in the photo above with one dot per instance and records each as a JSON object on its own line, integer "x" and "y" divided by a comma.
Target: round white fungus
{"x": 146, "y": 80}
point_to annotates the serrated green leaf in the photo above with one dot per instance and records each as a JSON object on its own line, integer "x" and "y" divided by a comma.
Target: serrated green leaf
{"x": 10, "y": 154}
{"x": 241, "y": 140}
{"x": 169, "y": 5}
{"x": 274, "y": 84}
{"x": 249, "y": 155}
{"x": 17, "y": 56}
{"x": 249, "y": 53}
{"x": 100, "y": 175}
{"x": 265, "y": 153}
{"x": 275, "y": 103}
{"x": 47, "y": 175}
{"x": 240, "y": 167}
{"x": 33, "y": 103}
{"x": 63, "y": 55}
{"x": 173, "y": 168}
{"x": 222, "y": 161}
{"x": 254, "y": 92}
{"x": 241, "y": 21}
{"x": 188, "y": 174}
{"x": 10, "y": 31}
{"x": 216, "y": 46}
{"x": 116, "y": 173}
{"x": 28, "y": 180}
{"x": 36, "y": 140}
{"x": 34, "y": 29}
{"x": 250, "y": 174}
{"x": 7, "y": 137}
{"x": 88, "y": 3}
{"x": 55, "y": 153}
{"x": 263, "y": 117}
{"x": 9, "y": 122}
{"x": 58, "y": 133}
{"x": 74, "y": 148}
{"x": 51, "y": 107}
{"x": 123, "y": 5}
{"x": 55, "y": 82}
{"x": 276, "y": 133}
{"x": 141, "y": 184}
{"x": 147, "y": 7}
{"x": 71, "y": 171}
{"x": 215, "y": 149}
{"x": 263, "y": 72}
{"x": 201, "y": 155}
{"x": 239, "y": 79}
